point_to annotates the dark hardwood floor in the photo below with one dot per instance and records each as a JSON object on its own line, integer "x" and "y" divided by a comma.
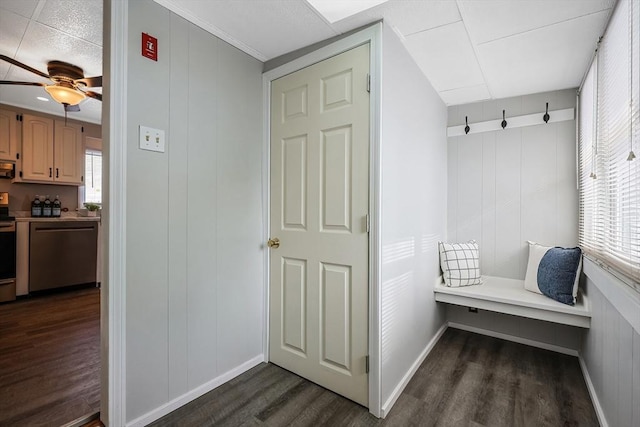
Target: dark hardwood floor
{"x": 50, "y": 358}
{"x": 467, "y": 380}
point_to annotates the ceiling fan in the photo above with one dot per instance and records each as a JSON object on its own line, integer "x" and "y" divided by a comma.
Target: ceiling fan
{"x": 68, "y": 86}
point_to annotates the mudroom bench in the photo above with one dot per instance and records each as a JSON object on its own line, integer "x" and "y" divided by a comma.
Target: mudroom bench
{"x": 509, "y": 296}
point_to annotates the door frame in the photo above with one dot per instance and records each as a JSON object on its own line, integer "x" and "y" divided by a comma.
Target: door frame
{"x": 373, "y": 36}
{"x": 114, "y": 137}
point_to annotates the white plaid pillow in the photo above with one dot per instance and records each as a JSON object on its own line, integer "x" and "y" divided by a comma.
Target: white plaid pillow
{"x": 460, "y": 263}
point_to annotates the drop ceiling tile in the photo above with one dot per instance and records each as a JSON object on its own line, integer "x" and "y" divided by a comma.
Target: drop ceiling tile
{"x": 407, "y": 17}
{"x": 541, "y": 60}
{"x": 267, "y": 28}
{"x": 80, "y": 18}
{"x": 42, "y": 44}
{"x": 465, "y": 95}
{"x": 493, "y": 19}
{"x": 21, "y": 7}
{"x": 13, "y": 28}
{"x": 446, "y": 57}
{"x": 18, "y": 74}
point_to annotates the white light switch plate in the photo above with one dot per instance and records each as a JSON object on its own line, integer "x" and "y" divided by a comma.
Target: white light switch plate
{"x": 151, "y": 139}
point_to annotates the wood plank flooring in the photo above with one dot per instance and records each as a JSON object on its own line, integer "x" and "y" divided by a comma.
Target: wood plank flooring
{"x": 50, "y": 358}
{"x": 467, "y": 380}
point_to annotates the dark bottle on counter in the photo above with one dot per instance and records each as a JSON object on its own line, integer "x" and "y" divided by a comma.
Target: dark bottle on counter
{"x": 36, "y": 207}
{"x": 46, "y": 207}
{"x": 57, "y": 207}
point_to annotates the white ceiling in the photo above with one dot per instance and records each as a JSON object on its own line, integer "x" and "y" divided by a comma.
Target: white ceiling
{"x": 37, "y": 31}
{"x": 470, "y": 50}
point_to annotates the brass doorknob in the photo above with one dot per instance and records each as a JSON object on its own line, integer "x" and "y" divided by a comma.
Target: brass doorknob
{"x": 274, "y": 243}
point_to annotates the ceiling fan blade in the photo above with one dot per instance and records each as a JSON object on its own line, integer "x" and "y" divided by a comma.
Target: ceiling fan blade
{"x": 90, "y": 81}
{"x": 94, "y": 95}
{"x": 72, "y": 108}
{"x": 23, "y": 66}
{"x": 9, "y": 82}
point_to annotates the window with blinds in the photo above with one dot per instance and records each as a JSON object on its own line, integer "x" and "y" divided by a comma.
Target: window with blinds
{"x": 608, "y": 134}
{"x": 93, "y": 176}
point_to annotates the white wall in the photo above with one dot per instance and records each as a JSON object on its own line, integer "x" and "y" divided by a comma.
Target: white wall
{"x": 413, "y": 217}
{"x": 509, "y": 186}
{"x": 513, "y": 185}
{"x": 194, "y": 274}
{"x": 611, "y": 348}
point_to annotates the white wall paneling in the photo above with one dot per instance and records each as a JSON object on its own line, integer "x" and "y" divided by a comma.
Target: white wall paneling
{"x": 146, "y": 278}
{"x": 194, "y": 215}
{"x": 177, "y": 221}
{"x": 506, "y": 185}
{"x": 413, "y": 155}
{"x": 611, "y": 353}
{"x": 552, "y": 336}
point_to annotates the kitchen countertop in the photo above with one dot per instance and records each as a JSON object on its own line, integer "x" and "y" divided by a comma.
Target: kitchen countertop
{"x": 25, "y": 216}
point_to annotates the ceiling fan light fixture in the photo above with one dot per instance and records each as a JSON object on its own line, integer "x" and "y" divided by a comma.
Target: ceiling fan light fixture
{"x": 65, "y": 95}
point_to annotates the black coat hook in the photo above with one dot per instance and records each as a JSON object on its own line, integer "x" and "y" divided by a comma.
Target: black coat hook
{"x": 546, "y": 114}
{"x": 466, "y": 128}
{"x": 504, "y": 122}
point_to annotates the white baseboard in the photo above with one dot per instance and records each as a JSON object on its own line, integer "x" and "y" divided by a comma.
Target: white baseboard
{"x": 592, "y": 392}
{"x": 520, "y": 340}
{"x": 179, "y": 401}
{"x": 407, "y": 377}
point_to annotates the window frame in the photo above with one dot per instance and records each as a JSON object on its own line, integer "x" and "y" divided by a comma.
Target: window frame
{"x": 608, "y": 215}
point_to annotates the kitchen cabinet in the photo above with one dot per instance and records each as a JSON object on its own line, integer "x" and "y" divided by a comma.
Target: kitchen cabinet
{"x": 51, "y": 151}
{"x": 37, "y": 148}
{"x": 8, "y": 134}
{"x": 67, "y": 153}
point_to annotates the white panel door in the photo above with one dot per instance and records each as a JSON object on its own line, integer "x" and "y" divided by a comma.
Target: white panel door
{"x": 319, "y": 205}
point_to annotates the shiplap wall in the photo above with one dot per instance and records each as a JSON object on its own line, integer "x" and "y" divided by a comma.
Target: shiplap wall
{"x": 194, "y": 265}
{"x": 611, "y": 348}
{"x": 509, "y": 186}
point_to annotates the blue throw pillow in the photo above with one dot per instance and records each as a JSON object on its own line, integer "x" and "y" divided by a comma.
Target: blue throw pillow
{"x": 557, "y": 273}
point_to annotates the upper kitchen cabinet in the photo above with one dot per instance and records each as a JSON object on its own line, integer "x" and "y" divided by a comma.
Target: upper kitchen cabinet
{"x": 67, "y": 153}
{"x": 37, "y": 148}
{"x": 8, "y": 134}
{"x": 51, "y": 151}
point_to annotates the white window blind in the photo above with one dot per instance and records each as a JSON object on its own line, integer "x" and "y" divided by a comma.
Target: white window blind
{"x": 93, "y": 176}
{"x": 609, "y": 127}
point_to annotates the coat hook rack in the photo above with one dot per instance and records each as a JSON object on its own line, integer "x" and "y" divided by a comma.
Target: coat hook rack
{"x": 497, "y": 124}
{"x": 546, "y": 116}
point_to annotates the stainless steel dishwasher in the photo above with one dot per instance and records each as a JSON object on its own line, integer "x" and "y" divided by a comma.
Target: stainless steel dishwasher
{"x": 62, "y": 253}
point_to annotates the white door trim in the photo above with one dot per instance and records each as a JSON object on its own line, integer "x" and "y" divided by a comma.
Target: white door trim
{"x": 114, "y": 135}
{"x": 373, "y": 36}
